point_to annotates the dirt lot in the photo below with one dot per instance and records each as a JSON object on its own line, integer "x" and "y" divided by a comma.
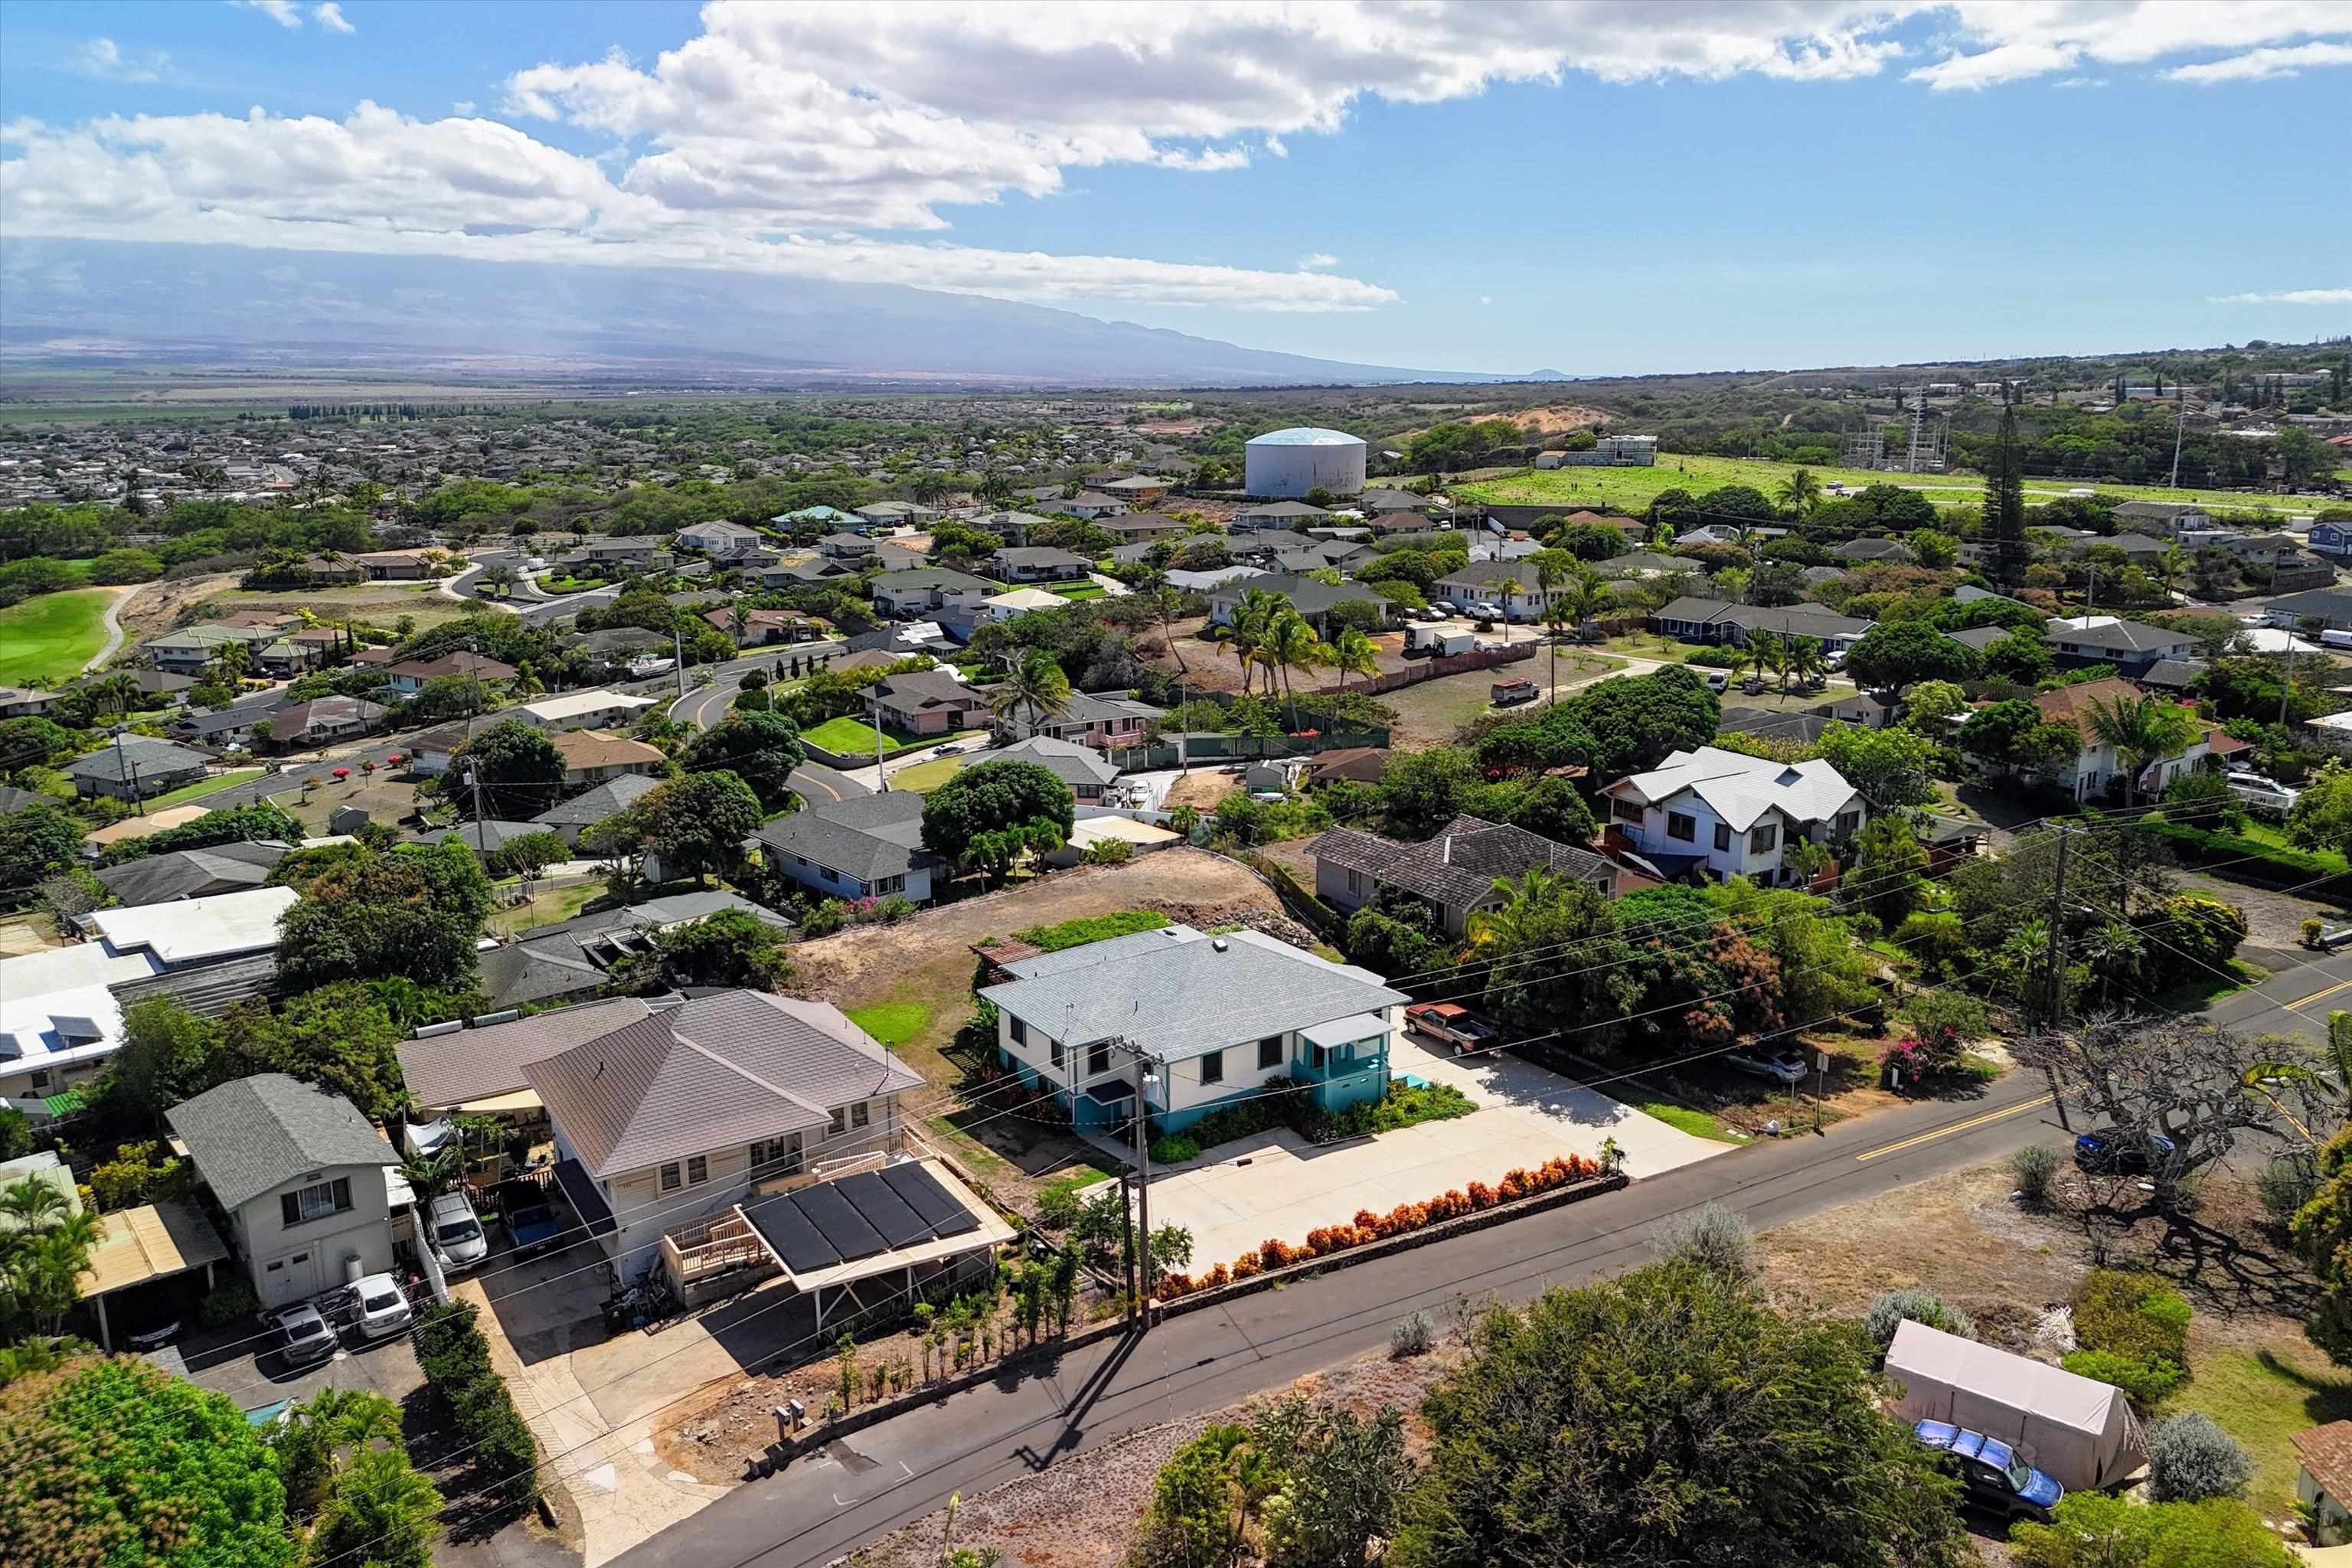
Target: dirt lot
{"x": 1082, "y": 1513}
{"x": 2272, "y": 918}
{"x": 1547, "y": 421}
{"x": 20, "y": 935}
{"x": 928, "y": 962}
{"x": 161, "y": 606}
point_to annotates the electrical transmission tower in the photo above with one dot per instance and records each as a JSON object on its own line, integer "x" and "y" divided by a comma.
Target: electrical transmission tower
{"x": 1927, "y": 435}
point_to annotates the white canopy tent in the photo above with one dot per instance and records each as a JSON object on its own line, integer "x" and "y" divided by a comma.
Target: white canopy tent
{"x": 2078, "y": 1429}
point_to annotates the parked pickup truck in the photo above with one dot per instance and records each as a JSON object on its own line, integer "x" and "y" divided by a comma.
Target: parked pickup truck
{"x": 530, "y": 1223}
{"x": 1451, "y": 1023}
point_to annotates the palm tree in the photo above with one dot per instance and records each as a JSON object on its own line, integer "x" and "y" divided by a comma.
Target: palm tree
{"x": 1037, "y": 684}
{"x": 1504, "y": 583}
{"x": 1290, "y": 644}
{"x": 501, "y": 578}
{"x": 1353, "y": 652}
{"x": 2114, "y": 951}
{"x": 229, "y": 662}
{"x": 2141, "y": 730}
{"x": 1555, "y": 615}
{"x": 738, "y": 620}
{"x": 1800, "y": 493}
{"x": 1550, "y": 572}
{"x": 113, "y": 693}
{"x": 1782, "y": 663}
{"x": 1763, "y": 652}
{"x": 1805, "y": 657}
{"x": 1247, "y": 630}
{"x": 1523, "y": 917}
{"x": 1166, "y": 603}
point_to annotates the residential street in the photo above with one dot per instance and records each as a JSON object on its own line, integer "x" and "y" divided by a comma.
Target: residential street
{"x": 2293, "y": 1001}
{"x": 886, "y": 1475}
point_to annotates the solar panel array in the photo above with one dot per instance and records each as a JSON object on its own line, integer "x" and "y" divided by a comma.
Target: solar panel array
{"x": 858, "y": 1217}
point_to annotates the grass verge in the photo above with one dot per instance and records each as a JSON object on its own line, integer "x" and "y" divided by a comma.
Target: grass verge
{"x": 211, "y": 785}
{"x": 1683, "y": 1119}
{"x": 893, "y": 1022}
{"x": 850, "y": 737}
{"x": 2263, "y": 1399}
{"x": 925, "y": 777}
{"x": 2203, "y": 988}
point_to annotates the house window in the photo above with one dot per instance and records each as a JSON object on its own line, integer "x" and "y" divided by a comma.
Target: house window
{"x": 1020, "y": 1033}
{"x": 315, "y": 1202}
{"x": 1212, "y": 1068}
{"x": 1354, "y": 886}
{"x": 670, "y": 1181}
{"x": 775, "y": 1152}
{"x": 1269, "y": 1052}
{"x": 1680, "y": 826}
{"x": 1722, "y": 835}
{"x": 860, "y": 1114}
{"x": 1317, "y": 1057}
{"x": 1847, "y": 821}
{"x": 1764, "y": 840}
{"x": 1053, "y": 1048}
{"x": 1625, "y": 810}
{"x": 839, "y": 1123}
{"x": 698, "y": 1169}
{"x": 1097, "y": 1061}
{"x": 890, "y": 885}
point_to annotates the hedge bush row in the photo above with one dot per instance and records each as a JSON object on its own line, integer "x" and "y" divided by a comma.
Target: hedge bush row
{"x": 455, "y": 1361}
{"x": 2134, "y": 1332}
{"x": 2200, "y": 846}
{"x": 1401, "y": 1220}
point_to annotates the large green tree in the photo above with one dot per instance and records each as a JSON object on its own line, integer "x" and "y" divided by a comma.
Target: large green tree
{"x": 992, "y": 798}
{"x": 1670, "y": 1416}
{"x": 118, "y": 1462}
{"x": 2004, "y": 501}
{"x": 413, "y": 913}
{"x": 1895, "y": 653}
{"x": 511, "y": 767}
{"x": 761, "y": 748}
{"x": 36, "y": 841}
{"x": 696, "y": 824}
{"x": 1890, "y": 767}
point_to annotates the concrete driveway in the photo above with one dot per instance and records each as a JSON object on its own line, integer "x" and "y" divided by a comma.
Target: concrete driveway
{"x": 1277, "y": 1185}
{"x": 254, "y": 1374}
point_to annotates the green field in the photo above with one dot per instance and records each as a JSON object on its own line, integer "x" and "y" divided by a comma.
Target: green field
{"x": 925, "y": 777}
{"x": 47, "y": 639}
{"x": 847, "y": 737}
{"x": 1631, "y": 490}
{"x": 211, "y": 785}
{"x": 1078, "y": 590}
{"x": 893, "y": 1022}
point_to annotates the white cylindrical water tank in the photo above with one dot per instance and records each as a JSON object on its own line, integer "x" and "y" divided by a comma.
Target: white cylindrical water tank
{"x": 1285, "y": 465}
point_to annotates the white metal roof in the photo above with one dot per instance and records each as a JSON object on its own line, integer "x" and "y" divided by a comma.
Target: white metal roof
{"x": 1740, "y": 789}
{"x": 574, "y": 703}
{"x": 191, "y": 929}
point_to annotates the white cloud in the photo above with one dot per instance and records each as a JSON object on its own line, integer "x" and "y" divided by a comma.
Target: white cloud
{"x": 331, "y": 15}
{"x": 464, "y": 106}
{"x": 2262, "y": 65}
{"x": 2080, "y": 82}
{"x": 1317, "y": 262}
{"x": 2290, "y": 296}
{"x": 103, "y": 57}
{"x": 285, "y": 13}
{"x": 1998, "y": 41}
{"x": 1485, "y": 298}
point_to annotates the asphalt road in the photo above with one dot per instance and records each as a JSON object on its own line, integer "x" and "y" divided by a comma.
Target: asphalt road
{"x": 2293, "y": 1001}
{"x": 895, "y": 1472}
{"x": 705, "y": 706}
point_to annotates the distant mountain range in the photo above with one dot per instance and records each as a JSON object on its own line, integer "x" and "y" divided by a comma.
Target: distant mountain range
{"x": 83, "y": 302}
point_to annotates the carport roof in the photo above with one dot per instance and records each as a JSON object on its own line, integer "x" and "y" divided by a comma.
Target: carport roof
{"x": 152, "y": 1241}
{"x": 873, "y": 1223}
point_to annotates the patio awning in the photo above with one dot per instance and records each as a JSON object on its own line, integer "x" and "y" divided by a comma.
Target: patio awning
{"x": 501, "y": 1104}
{"x": 1345, "y": 1031}
{"x": 873, "y": 1224}
{"x": 154, "y": 1241}
{"x": 579, "y": 1192}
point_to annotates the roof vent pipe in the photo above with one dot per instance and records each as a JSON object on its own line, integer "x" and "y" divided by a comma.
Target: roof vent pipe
{"x": 1448, "y": 851}
{"x": 1219, "y": 943}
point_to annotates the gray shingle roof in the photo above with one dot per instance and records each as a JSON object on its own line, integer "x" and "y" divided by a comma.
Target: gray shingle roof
{"x": 607, "y": 799}
{"x": 1458, "y": 867}
{"x": 545, "y": 968}
{"x": 1067, "y": 760}
{"x": 1307, "y": 596}
{"x": 487, "y": 835}
{"x": 475, "y": 1064}
{"x": 192, "y": 873}
{"x": 2124, "y": 636}
{"x": 1192, "y": 996}
{"x": 718, "y": 1071}
{"x": 140, "y": 754}
{"x": 256, "y": 1133}
{"x": 870, "y": 837}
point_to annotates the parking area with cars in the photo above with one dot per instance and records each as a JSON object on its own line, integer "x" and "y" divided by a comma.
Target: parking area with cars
{"x": 353, "y": 1337}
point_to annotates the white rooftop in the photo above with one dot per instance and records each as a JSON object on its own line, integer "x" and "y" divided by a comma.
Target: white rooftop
{"x": 190, "y": 931}
{"x": 1740, "y": 789}
{"x": 572, "y": 704}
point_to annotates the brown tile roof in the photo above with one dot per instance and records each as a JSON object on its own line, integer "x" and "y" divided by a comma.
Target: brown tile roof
{"x": 478, "y": 1063}
{"x": 2072, "y": 705}
{"x": 2326, "y": 1453}
{"x": 602, "y": 749}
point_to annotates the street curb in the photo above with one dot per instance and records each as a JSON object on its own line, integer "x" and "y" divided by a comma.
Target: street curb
{"x": 780, "y": 1453}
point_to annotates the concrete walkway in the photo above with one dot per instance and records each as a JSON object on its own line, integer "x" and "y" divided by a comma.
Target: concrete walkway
{"x": 1278, "y": 1185}
{"x": 112, "y": 620}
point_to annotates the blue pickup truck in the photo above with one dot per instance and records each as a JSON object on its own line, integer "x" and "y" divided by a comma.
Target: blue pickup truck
{"x": 529, "y": 1222}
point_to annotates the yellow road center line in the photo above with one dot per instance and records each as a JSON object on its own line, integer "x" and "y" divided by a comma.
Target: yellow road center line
{"x": 2034, "y": 1104}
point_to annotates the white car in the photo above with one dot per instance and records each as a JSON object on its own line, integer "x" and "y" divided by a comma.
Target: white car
{"x": 383, "y": 1308}
{"x": 2255, "y": 790}
{"x": 457, "y": 1232}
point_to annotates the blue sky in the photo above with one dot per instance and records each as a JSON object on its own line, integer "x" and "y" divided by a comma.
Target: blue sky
{"x": 1599, "y": 188}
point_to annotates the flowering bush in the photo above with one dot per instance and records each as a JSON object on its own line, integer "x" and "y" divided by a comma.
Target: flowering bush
{"x": 1929, "y": 1054}
{"x": 1402, "y": 1220}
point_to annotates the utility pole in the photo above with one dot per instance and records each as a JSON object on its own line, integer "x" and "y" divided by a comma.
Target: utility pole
{"x": 677, "y": 658}
{"x": 2180, "y": 408}
{"x": 481, "y": 832}
{"x": 1184, "y": 750}
{"x": 1142, "y": 1188}
{"x": 2286, "y": 682}
{"x": 2057, "y": 958}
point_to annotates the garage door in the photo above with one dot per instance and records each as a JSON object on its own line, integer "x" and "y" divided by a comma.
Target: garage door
{"x": 291, "y": 1278}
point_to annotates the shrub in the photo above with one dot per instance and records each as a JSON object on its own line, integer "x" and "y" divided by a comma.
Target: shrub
{"x": 2205, "y": 929}
{"x": 2035, "y": 1167}
{"x": 1709, "y": 1236}
{"x": 2190, "y": 1458}
{"x": 2146, "y": 1384}
{"x": 1057, "y": 1206}
{"x": 2132, "y": 1315}
{"x": 826, "y": 918}
{"x": 1173, "y": 1150}
{"x": 1890, "y": 1309}
{"x": 1414, "y": 1335}
{"x": 1097, "y": 927}
{"x": 228, "y": 1304}
{"x": 2285, "y": 1184}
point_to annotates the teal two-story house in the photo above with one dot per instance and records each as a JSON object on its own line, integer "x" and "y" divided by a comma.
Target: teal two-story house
{"x": 1220, "y": 1019}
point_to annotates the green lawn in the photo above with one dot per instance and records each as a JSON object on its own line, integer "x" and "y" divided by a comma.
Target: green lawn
{"x": 1631, "y": 490}
{"x": 2275, "y": 837}
{"x": 848, "y": 737}
{"x": 893, "y": 1022}
{"x": 47, "y": 639}
{"x": 925, "y": 777}
{"x": 1076, "y": 590}
{"x": 2261, "y": 1400}
{"x": 1698, "y": 1123}
{"x": 211, "y": 785}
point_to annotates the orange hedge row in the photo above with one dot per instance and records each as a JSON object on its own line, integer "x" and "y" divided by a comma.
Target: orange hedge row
{"x": 1401, "y": 1220}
